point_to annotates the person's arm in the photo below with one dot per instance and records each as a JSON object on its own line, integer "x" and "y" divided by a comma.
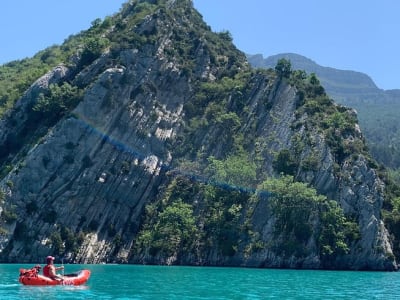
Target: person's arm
{"x": 52, "y": 271}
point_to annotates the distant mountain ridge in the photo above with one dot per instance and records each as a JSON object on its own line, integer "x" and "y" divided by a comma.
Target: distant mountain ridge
{"x": 334, "y": 80}
{"x": 377, "y": 109}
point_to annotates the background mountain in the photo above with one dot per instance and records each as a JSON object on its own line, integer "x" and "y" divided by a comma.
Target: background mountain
{"x": 377, "y": 109}
{"x": 149, "y": 139}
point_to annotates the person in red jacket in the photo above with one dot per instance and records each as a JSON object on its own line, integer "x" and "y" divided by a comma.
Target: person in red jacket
{"x": 50, "y": 269}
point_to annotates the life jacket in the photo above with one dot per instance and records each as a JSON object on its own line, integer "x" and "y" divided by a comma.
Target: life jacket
{"x": 46, "y": 271}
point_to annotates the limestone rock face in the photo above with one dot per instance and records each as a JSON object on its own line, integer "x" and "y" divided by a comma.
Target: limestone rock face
{"x": 82, "y": 188}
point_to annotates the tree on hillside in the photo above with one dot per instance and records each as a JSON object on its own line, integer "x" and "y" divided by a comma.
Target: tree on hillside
{"x": 283, "y": 68}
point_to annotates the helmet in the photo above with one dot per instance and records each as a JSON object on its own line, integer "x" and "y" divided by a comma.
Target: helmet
{"x": 49, "y": 259}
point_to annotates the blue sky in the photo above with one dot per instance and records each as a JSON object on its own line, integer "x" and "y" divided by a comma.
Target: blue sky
{"x": 360, "y": 35}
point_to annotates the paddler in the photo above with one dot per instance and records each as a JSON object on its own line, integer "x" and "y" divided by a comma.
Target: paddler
{"x": 50, "y": 269}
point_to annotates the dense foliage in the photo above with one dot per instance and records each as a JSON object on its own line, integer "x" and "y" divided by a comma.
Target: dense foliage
{"x": 297, "y": 208}
{"x": 180, "y": 223}
{"x": 379, "y": 121}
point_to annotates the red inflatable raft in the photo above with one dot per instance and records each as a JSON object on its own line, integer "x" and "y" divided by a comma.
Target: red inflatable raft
{"x": 32, "y": 277}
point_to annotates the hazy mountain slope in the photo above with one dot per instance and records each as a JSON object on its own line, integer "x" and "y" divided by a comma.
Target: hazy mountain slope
{"x": 338, "y": 83}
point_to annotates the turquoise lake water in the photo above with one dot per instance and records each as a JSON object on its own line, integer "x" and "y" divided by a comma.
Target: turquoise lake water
{"x": 161, "y": 282}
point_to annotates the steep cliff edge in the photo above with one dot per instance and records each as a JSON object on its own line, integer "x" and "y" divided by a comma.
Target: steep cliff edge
{"x": 164, "y": 147}
{"x": 377, "y": 109}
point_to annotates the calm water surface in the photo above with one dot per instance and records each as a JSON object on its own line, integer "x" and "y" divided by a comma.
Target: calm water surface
{"x": 155, "y": 282}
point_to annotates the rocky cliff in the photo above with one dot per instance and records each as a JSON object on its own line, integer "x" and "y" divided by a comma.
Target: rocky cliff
{"x": 377, "y": 109}
{"x": 161, "y": 150}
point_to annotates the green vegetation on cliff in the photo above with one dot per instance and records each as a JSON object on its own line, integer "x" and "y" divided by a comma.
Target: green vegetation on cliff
{"x": 179, "y": 223}
{"x": 377, "y": 109}
{"x": 229, "y": 194}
